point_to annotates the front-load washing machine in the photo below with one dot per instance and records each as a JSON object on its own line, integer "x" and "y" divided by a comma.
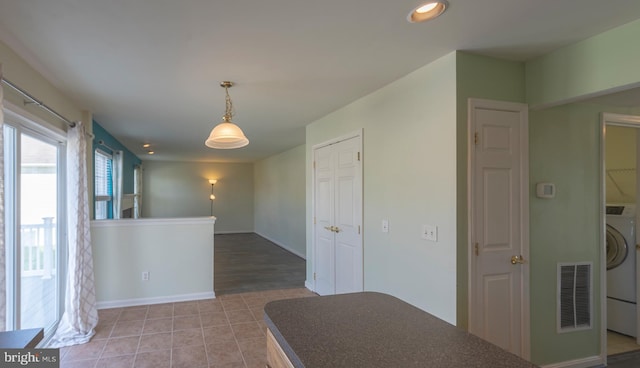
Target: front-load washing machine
{"x": 621, "y": 269}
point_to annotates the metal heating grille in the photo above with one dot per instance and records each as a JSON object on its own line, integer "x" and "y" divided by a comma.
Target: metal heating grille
{"x": 574, "y": 296}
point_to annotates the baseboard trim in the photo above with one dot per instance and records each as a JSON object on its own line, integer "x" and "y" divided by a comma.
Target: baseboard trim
{"x": 155, "y": 300}
{"x": 283, "y": 246}
{"x": 594, "y": 361}
{"x": 233, "y": 232}
{"x": 309, "y": 285}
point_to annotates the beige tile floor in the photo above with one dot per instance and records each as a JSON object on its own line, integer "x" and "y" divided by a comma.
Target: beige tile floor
{"x": 617, "y": 343}
{"x": 226, "y": 332}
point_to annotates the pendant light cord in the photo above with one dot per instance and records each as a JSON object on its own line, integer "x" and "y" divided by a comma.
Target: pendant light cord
{"x": 228, "y": 104}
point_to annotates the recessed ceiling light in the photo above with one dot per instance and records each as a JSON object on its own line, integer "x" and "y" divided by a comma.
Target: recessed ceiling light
{"x": 146, "y": 145}
{"x": 151, "y": 152}
{"x": 428, "y": 10}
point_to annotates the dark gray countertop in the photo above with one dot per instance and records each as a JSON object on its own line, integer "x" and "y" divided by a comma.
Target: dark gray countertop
{"x": 375, "y": 330}
{"x": 21, "y": 339}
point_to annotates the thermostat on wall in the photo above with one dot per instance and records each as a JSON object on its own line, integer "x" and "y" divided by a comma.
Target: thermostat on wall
{"x": 545, "y": 190}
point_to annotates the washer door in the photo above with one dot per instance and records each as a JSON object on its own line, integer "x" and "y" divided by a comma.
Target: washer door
{"x": 617, "y": 248}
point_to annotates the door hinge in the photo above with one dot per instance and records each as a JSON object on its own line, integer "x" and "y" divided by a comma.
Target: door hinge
{"x": 358, "y": 229}
{"x": 475, "y": 138}
{"x": 358, "y": 156}
{"x": 314, "y": 165}
{"x": 314, "y": 220}
{"x": 477, "y": 251}
{"x": 314, "y": 276}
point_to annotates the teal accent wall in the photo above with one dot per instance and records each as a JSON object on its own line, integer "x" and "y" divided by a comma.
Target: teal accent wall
{"x": 476, "y": 77}
{"x": 129, "y": 160}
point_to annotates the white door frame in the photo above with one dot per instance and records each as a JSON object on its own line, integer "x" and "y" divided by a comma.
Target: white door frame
{"x": 354, "y": 134}
{"x": 630, "y": 121}
{"x": 524, "y": 223}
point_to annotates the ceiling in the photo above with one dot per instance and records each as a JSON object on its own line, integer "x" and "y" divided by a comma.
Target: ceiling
{"x": 149, "y": 70}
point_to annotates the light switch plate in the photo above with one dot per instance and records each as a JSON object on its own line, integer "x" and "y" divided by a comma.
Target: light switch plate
{"x": 430, "y": 232}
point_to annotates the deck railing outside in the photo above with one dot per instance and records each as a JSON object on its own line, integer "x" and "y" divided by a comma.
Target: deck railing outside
{"x": 38, "y": 249}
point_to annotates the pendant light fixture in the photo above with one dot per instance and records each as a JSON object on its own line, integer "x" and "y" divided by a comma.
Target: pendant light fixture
{"x": 226, "y": 135}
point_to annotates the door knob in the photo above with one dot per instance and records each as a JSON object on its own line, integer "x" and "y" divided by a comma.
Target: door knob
{"x": 336, "y": 229}
{"x": 517, "y": 259}
{"x": 330, "y": 228}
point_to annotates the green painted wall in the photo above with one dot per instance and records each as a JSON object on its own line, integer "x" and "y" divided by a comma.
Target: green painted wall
{"x": 477, "y": 77}
{"x": 600, "y": 63}
{"x": 564, "y": 149}
{"x": 181, "y": 189}
{"x": 409, "y": 164}
{"x": 279, "y": 195}
{"x": 178, "y": 254}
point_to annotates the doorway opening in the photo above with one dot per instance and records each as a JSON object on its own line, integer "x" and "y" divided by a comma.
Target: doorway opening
{"x": 621, "y": 153}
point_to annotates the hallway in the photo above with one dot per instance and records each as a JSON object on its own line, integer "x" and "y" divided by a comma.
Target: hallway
{"x": 248, "y": 262}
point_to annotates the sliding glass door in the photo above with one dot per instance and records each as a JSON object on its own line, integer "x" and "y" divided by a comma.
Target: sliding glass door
{"x": 35, "y": 243}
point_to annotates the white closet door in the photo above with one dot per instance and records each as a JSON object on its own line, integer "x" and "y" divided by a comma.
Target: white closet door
{"x": 338, "y": 218}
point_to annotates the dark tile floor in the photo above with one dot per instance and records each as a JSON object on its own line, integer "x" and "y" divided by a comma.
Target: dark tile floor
{"x": 629, "y": 359}
{"x": 248, "y": 262}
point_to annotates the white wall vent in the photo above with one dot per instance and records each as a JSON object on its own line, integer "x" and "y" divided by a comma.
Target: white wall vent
{"x": 574, "y": 296}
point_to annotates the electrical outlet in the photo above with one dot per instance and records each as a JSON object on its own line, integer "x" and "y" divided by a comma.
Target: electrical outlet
{"x": 385, "y": 226}
{"x": 430, "y": 232}
{"x": 145, "y": 276}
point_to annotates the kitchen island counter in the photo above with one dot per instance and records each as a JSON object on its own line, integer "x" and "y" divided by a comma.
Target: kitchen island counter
{"x": 372, "y": 330}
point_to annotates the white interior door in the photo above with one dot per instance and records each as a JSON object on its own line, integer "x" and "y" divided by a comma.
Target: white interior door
{"x": 499, "y": 224}
{"x": 338, "y": 255}
{"x": 324, "y": 247}
{"x": 348, "y": 217}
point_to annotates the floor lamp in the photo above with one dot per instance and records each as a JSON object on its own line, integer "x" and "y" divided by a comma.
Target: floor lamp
{"x": 211, "y": 196}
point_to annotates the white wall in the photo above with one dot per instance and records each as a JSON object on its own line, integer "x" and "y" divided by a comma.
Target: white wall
{"x": 410, "y": 179}
{"x": 177, "y": 253}
{"x": 280, "y": 199}
{"x": 181, "y": 189}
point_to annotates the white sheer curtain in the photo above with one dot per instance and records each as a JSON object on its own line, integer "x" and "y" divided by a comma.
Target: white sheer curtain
{"x": 3, "y": 274}
{"x": 117, "y": 184}
{"x": 80, "y": 317}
